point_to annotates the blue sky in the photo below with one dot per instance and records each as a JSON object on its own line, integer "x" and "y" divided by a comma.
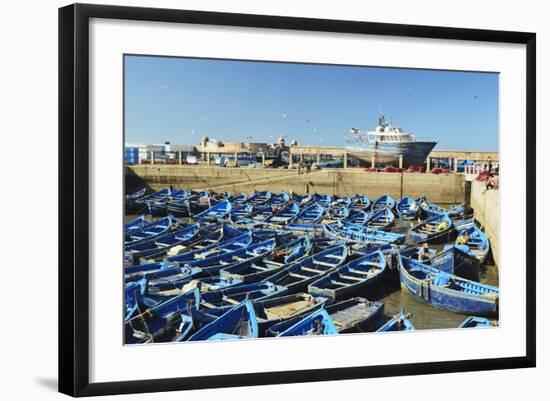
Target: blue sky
{"x": 180, "y": 100}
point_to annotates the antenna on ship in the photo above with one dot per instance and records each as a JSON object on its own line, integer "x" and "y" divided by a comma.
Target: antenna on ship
{"x": 381, "y": 119}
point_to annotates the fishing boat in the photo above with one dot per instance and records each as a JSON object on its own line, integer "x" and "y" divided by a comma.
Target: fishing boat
{"x": 360, "y": 202}
{"x": 260, "y": 267}
{"x": 399, "y": 322}
{"x": 284, "y": 215}
{"x": 133, "y": 294}
{"x": 237, "y": 323}
{"x": 226, "y": 239}
{"x": 420, "y": 253}
{"x": 335, "y": 212}
{"x": 477, "y": 322}
{"x": 299, "y": 275}
{"x": 381, "y": 219}
{"x": 231, "y": 254}
{"x": 241, "y": 212}
{"x": 145, "y": 326}
{"x": 149, "y": 231}
{"x": 357, "y": 275}
{"x": 456, "y": 261}
{"x": 431, "y": 210}
{"x": 385, "y": 201}
{"x": 476, "y": 241}
{"x": 315, "y": 324}
{"x": 301, "y": 200}
{"x": 158, "y": 206}
{"x": 136, "y": 195}
{"x": 436, "y": 229}
{"x": 447, "y": 291}
{"x": 137, "y": 223}
{"x": 257, "y": 198}
{"x": 137, "y": 272}
{"x": 346, "y": 231}
{"x": 339, "y": 201}
{"x": 230, "y": 296}
{"x": 160, "y": 246}
{"x": 278, "y": 200}
{"x": 407, "y": 208}
{"x": 215, "y": 213}
{"x": 387, "y": 144}
{"x": 358, "y": 217}
{"x": 307, "y": 218}
{"x": 275, "y": 310}
{"x": 349, "y": 316}
{"x": 322, "y": 200}
{"x": 238, "y": 199}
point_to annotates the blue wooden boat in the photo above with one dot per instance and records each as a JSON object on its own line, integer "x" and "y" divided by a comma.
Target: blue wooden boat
{"x": 230, "y": 255}
{"x": 420, "y": 253}
{"x": 477, "y": 322}
{"x": 431, "y": 210}
{"x": 454, "y": 260}
{"x": 339, "y": 201}
{"x": 278, "y": 200}
{"x": 322, "y": 200}
{"x": 260, "y": 267}
{"x": 136, "y": 272}
{"x": 299, "y": 275}
{"x": 215, "y": 213}
{"x": 476, "y": 241}
{"x": 355, "y": 276}
{"x": 275, "y": 310}
{"x": 407, "y": 208}
{"x": 284, "y": 215}
{"x": 137, "y": 223}
{"x": 238, "y": 322}
{"x": 170, "y": 278}
{"x": 337, "y": 212}
{"x": 238, "y": 199}
{"x": 358, "y": 217}
{"x": 349, "y": 316}
{"x": 151, "y": 322}
{"x": 443, "y": 290}
{"x": 133, "y": 203}
{"x": 436, "y": 229}
{"x": 315, "y": 324}
{"x": 307, "y": 219}
{"x": 381, "y": 219}
{"x": 240, "y": 213}
{"x": 399, "y": 322}
{"x": 259, "y": 215}
{"x": 301, "y": 200}
{"x": 257, "y": 198}
{"x": 360, "y": 202}
{"x": 160, "y": 246}
{"x": 156, "y": 202}
{"x": 230, "y": 296}
{"x": 149, "y": 231}
{"x": 136, "y": 195}
{"x": 224, "y": 240}
{"x": 133, "y": 295}
{"x": 385, "y": 201}
{"x": 462, "y": 224}
{"x": 178, "y": 208}
{"x": 158, "y": 206}
{"x": 349, "y": 232}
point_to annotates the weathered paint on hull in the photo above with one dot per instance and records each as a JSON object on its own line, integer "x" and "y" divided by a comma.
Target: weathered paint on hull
{"x": 414, "y": 153}
{"x": 441, "y": 298}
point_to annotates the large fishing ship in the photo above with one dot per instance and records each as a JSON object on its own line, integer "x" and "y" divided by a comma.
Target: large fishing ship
{"x": 387, "y": 143}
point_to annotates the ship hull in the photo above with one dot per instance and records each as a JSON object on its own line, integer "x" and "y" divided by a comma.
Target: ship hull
{"x": 414, "y": 153}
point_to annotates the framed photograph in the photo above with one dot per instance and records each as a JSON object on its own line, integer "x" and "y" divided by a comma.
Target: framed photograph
{"x": 252, "y": 199}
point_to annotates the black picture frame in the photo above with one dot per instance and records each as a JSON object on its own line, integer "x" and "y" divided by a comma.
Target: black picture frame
{"x": 74, "y": 200}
